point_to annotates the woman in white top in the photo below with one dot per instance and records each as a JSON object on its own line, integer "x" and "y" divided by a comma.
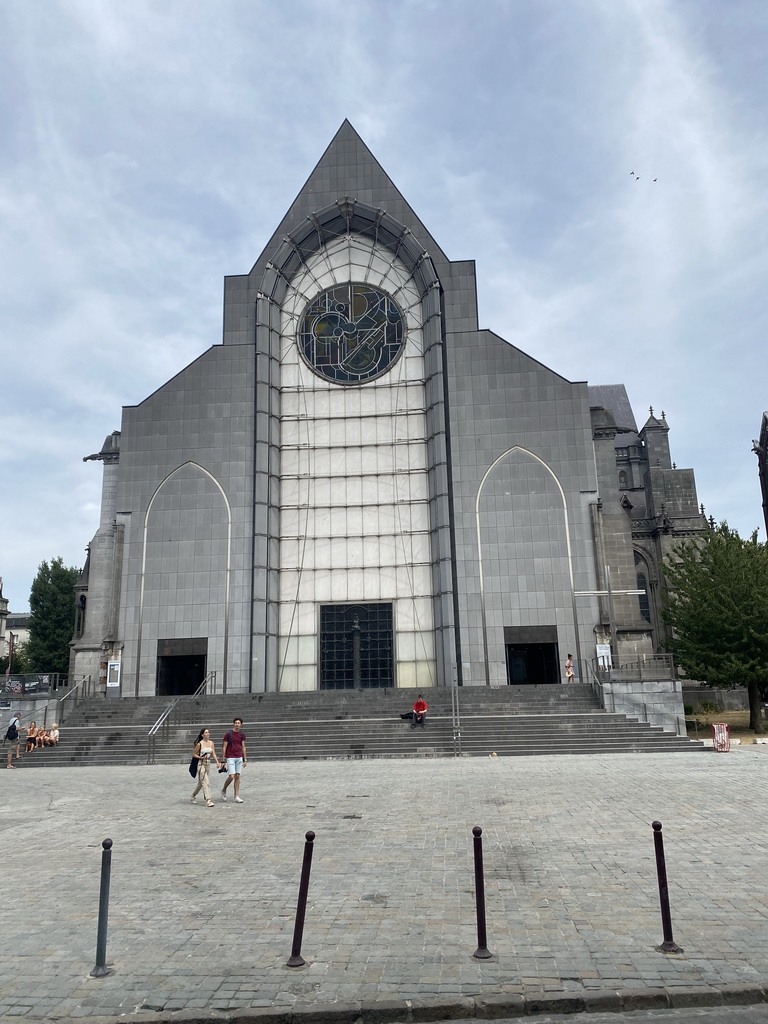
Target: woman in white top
{"x": 204, "y": 751}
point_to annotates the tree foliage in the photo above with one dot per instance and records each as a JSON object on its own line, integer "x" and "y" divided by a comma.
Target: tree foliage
{"x": 19, "y": 663}
{"x": 717, "y": 607}
{"x": 52, "y": 604}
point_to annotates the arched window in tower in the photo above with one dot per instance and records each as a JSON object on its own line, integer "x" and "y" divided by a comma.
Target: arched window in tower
{"x": 642, "y": 584}
{"x": 82, "y": 602}
{"x": 623, "y": 484}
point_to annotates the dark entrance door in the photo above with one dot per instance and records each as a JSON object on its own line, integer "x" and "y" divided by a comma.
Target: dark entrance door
{"x": 355, "y": 646}
{"x": 532, "y": 664}
{"x": 181, "y": 665}
{"x": 531, "y": 655}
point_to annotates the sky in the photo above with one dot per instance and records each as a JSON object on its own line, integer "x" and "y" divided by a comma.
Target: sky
{"x": 151, "y": 148}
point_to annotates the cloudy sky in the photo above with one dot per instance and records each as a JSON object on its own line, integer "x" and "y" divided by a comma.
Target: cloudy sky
{"x": 151, "y": 147}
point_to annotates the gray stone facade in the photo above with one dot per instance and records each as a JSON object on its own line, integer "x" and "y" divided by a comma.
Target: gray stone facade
{"x": 467, "y": 489}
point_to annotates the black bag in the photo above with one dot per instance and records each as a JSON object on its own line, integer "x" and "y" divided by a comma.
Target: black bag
{"x": 193, "y": 767}
{"x": 408, "y": 714}
{"x": 12, "y": 734}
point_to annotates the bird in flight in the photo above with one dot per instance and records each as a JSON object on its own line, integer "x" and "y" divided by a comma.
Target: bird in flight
{"x": 631, "y": 174}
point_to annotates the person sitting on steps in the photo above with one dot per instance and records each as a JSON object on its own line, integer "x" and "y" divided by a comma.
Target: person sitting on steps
{"x": 419, "y": 713}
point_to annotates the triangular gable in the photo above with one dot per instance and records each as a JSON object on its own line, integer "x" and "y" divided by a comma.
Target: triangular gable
{"x": 348, "y": 168}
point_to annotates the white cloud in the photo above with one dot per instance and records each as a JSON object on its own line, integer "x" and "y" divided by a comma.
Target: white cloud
{"x": 151, "y": 149}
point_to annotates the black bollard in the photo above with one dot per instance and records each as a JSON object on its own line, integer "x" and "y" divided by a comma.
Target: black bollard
{"x": 296, "y": 959}
{"x": 101, "y": 968}
{"x": 668, "y": 945}
{"x": 482, "y": 952}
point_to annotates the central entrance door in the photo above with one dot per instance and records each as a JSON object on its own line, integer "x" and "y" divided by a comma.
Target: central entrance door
{"x": 532, "y": 663}
{"x": 531, "y": 655}
{"x": 181, "y": 665}
{"x": 356, "y": 644}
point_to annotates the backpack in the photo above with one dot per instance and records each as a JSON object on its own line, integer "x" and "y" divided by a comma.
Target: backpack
{"x": 12, "y": 733}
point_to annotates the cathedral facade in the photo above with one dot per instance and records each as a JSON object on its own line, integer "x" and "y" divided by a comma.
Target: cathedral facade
{"x": 361, "y": 488}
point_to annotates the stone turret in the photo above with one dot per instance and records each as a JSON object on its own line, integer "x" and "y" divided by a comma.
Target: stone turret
{"x": 655, "y": 436}
{"x": 97, "y": 588}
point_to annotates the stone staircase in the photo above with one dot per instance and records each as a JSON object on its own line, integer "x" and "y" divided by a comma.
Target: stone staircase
{"x": 353, "y": 724}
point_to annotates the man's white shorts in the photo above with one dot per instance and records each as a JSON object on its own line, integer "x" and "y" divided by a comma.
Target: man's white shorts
{"x": 234, "y": 765}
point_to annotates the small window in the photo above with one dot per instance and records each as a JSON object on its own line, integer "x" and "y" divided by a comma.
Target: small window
{"x": 623, "y": 480}
{"x": 642, "y": 584}
{"x": 645, "y": 607}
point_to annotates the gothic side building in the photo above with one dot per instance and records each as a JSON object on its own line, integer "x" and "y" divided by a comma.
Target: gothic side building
{"x": 360, "y": 487}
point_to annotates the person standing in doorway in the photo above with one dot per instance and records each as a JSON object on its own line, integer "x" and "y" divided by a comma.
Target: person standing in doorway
{"x": 569, "y": 669}
{"x": 233, "y": 754}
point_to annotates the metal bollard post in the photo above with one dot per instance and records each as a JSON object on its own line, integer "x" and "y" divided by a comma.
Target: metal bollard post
{"x": 101, "y": 968}
{"x": 296, "y": 959}
{"x": 668, "y": 945}
{"x": 482, "y": 952}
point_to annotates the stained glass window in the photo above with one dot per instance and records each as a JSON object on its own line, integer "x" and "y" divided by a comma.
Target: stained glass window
{"x": 351, "y": 333}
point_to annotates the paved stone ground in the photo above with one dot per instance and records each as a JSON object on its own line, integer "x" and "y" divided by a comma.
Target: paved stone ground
{"x": 711, "y": 1015}
{"x": 203, "y": 899}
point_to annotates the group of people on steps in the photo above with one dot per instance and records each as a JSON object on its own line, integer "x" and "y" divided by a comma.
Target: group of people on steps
{"x": 37, "y": 736}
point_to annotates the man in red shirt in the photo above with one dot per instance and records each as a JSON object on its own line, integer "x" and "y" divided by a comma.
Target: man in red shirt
{"x": 234, "y": 756}
{"x": 419, "y": 713}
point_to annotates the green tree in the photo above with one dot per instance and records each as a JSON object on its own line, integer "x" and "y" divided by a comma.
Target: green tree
{"x": 20, "y": 662}
{"x": 717, "y": 607}
{"x": 52, "y": 604}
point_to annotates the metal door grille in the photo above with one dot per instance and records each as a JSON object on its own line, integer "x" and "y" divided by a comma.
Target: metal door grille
{"x": 355, "y": 646}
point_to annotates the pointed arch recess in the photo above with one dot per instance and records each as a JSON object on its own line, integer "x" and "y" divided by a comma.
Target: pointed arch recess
{"x": 483, "y": 616}
{"x": 145, "y": 525}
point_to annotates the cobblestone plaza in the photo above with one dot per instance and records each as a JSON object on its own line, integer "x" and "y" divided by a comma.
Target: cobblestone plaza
{"x": 203, "y": 899}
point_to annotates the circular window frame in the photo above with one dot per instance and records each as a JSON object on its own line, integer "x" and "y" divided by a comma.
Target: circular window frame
{"x": 360, "y": 381}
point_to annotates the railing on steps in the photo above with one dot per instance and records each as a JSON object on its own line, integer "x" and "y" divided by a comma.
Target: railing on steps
{"x": 635, "y": 707}
{"x": 643, "y": 707}
{"x": 648, "y": 667}
{"x": 162, "y": 726}
{"x": 455, "y": 715}
{"x": 597, "y": 686}
{"x": 83, "y": 689}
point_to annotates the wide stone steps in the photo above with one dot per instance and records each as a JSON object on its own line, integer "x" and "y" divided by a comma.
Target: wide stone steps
{"x": 505, "y": 734}
{"x": 336, "y": 705}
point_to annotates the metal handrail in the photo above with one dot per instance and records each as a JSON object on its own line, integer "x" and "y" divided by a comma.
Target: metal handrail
{"x": 630, "y": 698}
{"x": 199, "y": 692}
{"x": 154, "y": 729}
{"x": 159, "y": 724}
{"x": 648, "y": 667}
{"x": 597, "y": 686}
{"x": 162, "y": 722}
{"x": 455, "y": 716}
{"x": 60, "y": 716}
{"x": 202, "y": 690}
{"x": 84, "y": 682}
